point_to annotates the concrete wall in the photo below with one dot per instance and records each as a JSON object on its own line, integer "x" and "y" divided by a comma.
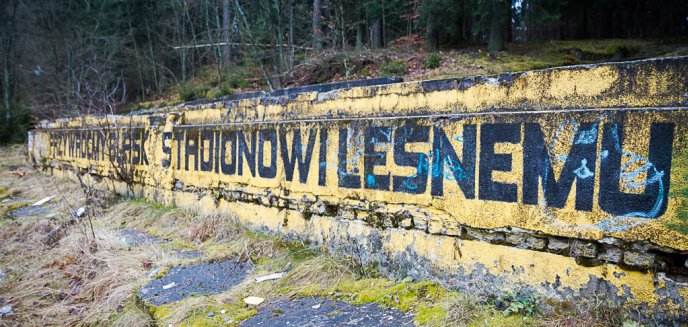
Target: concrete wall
{"x": 567, "y": 182}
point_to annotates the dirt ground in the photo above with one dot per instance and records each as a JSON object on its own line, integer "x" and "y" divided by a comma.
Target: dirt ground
{"x": 85, "y": 258}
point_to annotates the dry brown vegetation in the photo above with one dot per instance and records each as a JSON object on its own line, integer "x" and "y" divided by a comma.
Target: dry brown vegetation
{"x": 58, "y": 274}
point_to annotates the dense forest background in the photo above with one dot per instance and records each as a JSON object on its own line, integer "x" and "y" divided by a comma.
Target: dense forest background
{"x": 68, "y": 57}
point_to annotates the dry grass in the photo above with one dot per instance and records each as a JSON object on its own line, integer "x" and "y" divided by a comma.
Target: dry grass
{"x": 58, "y": 274}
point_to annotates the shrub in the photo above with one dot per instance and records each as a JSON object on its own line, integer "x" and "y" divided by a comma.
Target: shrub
{"x": 189, "y": 92}
{"x": 434, "y": 60}
{"x": 394, "y": 68}
{"x": 237, "y": 81}
{"x": 223, "y": 90}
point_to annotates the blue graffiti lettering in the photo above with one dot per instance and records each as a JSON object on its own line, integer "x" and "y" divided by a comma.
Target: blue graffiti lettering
{"x": 583, "y": 171}
{"x": 627, "y": 221}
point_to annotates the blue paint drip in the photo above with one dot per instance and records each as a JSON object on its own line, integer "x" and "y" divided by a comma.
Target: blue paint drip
{"x": 421, "y": 167}
{"x": 371, "y": 180}
{"x": 604, "y": 154}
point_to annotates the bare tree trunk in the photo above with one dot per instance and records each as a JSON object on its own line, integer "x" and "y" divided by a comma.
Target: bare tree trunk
{"x": 317, "y": 32}
{"x": 509, "y": 25}
{"x": 292, "y": 50}
{"x": 376, "y": 37}
{"x": 342, "y": 24}
{"x": 432, "y": 42}
{"x": 153, "y": 57}
{"x": 240, "y": 13}
{"x": 226, "y": 50}
{"x": 6, "y": 90}
{"x": 279, "y": 39}
{"x": 6, "y": 73}
{"x": 212, "y": 37}
{"x": 139, "y": 69}
{"x": 496, "y": 42}
{"x": 359, "y": 36}
{"x": 383, "y": 24}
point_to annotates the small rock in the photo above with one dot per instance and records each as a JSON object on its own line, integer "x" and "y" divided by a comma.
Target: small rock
{"x": 2, "y": 275}
{"x": 515, "y": 239}
{"x": 80, "y": 212}
{"x": 406, "y": 223}
{"x": 611, "y": 241}
{"x": 485, "y": 236}
{"x": 640, "y": 247}
{"x": 557, "y": 245}
{"x": 583, "y": 249}
{"x": 229, "y": 320}
{"x": 640, "y": 260}
{"x": 611, "y": 253}
{"x": 526, "y": 241}
{"x": 170, "y": 285}
{"x": 223, "y": 311}
{"x": 685, "y": 264}
{"x": 211, "y": 314}
{"x": 535, "y": 243}
{"x": 5, "y": 310}
{"x": 254, "y": 300}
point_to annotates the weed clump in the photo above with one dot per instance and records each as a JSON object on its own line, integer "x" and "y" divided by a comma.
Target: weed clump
{"x": 189, "y": 92}
{"x": 434, "y": 60}
{"x": 394, "y": 68}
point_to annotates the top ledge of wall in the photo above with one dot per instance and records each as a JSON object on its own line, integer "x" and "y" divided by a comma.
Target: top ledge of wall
{"x": 655, "y": 82}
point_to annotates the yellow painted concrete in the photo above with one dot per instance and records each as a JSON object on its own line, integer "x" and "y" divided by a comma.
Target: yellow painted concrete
{"x": 557, "y": 100}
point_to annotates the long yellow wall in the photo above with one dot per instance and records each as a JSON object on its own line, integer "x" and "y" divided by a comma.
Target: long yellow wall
{"x": 576, "y": 175}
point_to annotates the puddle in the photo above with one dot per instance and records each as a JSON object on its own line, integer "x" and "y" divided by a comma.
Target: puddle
{"x": 312, "y": 312}
{"x": 202, "y": 278}
{"x": 134, "y": 237}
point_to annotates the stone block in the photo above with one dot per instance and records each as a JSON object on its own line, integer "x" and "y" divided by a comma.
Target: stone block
{"x": 485, "y": 236}
{"x": 611, "y": 253}
{"x": 526, "y": 241}
{"x": 583, "y": 249}
{"x": 639, "y": 259}
{"x": 406, "y": 223}
{"x": 557, "y": 244}
{"x": 420, "y": 224}
{"x": 348, "y": 214}
{"x": 535, "y": 243}
{"x": 515, "y": 239}
{"x": 435, "y": 226}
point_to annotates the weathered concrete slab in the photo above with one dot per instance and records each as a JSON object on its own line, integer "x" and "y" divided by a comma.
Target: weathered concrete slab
{"x": 316, "y": 312}
{"x": 200, "y": 279}
{"x": 133, "y": 237}
{"x": 187, "y": 254}
{"x": 568, "y": 182}
{"x": 32, "y": 210}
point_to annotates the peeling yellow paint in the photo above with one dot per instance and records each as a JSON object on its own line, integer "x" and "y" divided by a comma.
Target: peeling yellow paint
{"x": 423, "y": 225}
